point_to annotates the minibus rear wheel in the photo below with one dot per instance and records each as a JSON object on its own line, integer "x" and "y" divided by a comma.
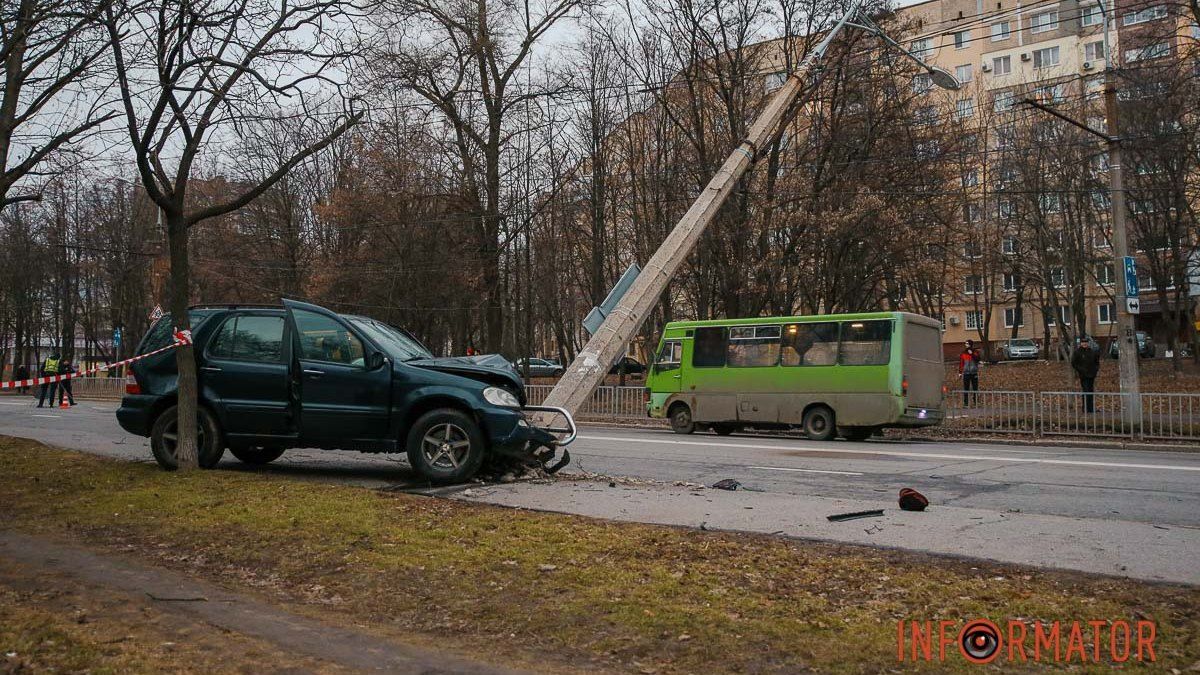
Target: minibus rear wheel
{"x": 819, "y": 424}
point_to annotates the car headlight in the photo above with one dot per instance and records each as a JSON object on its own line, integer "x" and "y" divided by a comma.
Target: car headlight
{"x": 500, "y": 397}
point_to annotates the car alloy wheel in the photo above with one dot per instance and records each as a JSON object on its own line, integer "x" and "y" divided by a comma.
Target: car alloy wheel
{"x": 446, "y": 446}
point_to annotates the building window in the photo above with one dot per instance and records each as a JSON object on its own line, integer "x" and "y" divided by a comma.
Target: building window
{"x": 1104, "y": 274}
{"x": 972, "y": 250}
{"x": 1148, "y": 14}
{"x": 1004, "y": 209}
{"x": 1154, "y": 51}
{"x": 776, "y": 80}
{"x": 963, "y": 73}
{"x": 1091, "y": 15}
{"x": 970, "y": 213}
{"x": 964, "y": 108}
{"x": 1105, "y": 313}
{"x": 1010, "y": 245}
{"x": 1064, "y": 315}
{"x": 1094, "y": 51}
{"x": 1003, "y": 101}
{"x": 1058, "y": 277}
{"x": 1001, "y": 30}
{"x": 970, "y": 178}
{"x": 973, "y": 284}
{"x": 1051, "y": 202}
{"x": 1093, "y": 87}
{"x": 1011, "y": 282}
{"x": 961, "y": 38}
{"x": 925, "y": 115}
{"x": 1044, "y": 21}
{"x": 922, "y": 84}
{"x": 1001, "y": 65}
{"x": 922, "y": 49}
{"x": 1012, "y": 317}
{"x": 974, "y": 319}
{"x": 1045, "y": 58}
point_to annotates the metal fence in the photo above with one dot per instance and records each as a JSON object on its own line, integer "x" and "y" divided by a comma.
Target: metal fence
{"x": 1073, "y": 413}
{"x": 109, "y": 388}
{"x": 624, "y": 402}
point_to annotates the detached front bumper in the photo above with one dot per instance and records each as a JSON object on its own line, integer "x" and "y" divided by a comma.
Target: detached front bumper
{"x": 515, "y": 433}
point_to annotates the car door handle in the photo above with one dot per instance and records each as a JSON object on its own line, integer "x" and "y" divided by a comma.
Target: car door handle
{"x": 677, "y": 376}
{"x": 314, "y": 373}
{"x": 210, "y": 369}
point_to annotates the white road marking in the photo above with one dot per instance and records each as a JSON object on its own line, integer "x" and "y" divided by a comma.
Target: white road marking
{"x": 53, "y": 417}
{"x": 895, "y": 453}
{"x": 784, "y": 468}
{"x": 13, "y": 403}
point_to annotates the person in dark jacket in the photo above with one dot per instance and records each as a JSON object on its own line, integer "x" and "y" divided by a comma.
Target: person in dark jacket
{"x": 64, "y": 387}
{"x": 968, "y": 367}
{"x": 22, "y": 374}
{"x": 1086, "y": 363}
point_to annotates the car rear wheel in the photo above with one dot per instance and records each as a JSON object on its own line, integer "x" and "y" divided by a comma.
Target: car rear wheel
{"x": 164, "y": 437}
{"x": 681, "y": 419}
{"x": 257, "y": 455}
{"x": 819, "y": 424}
{"x": 445, "y": 446}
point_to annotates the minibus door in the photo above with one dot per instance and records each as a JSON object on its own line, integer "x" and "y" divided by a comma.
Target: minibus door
{"x": 667, "y": 369}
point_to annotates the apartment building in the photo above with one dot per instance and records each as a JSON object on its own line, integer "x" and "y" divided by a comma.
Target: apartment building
{"x": 1056, "y": 52}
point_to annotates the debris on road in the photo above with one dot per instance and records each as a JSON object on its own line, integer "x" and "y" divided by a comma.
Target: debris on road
{"x": 911, "y": 500}
{"x": 854, "y": 515}
{"x": 726, "y": 484}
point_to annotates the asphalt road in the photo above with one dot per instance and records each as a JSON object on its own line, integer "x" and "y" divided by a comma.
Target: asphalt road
{"x": 1140, "y": 486}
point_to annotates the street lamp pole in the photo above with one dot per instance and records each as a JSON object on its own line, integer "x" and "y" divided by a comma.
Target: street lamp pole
{"x": 1130, "y": 383}
{"x": 588, "y": 369}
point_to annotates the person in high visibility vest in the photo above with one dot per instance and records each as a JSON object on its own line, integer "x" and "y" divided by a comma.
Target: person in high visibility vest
{"x": 49, "y": 368}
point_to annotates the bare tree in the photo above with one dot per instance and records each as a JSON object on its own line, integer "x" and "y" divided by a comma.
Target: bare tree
{"x": 467, "y": 59}
{"x": 51, "y": 50}
{"x": 190, "y": 75}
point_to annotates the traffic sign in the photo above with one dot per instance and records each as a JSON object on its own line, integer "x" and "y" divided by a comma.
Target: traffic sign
{"x": 157, "y": 313}
{"x": 1133, "y": 305}
{"x": 117, "y": 336}
{"x": 1131, "y": 281}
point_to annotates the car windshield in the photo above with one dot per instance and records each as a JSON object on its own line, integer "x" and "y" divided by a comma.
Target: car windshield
{"x": 1022, "y": 343}
{"x": 398, "y": 345}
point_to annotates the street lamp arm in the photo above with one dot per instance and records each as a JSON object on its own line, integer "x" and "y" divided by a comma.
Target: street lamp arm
{"x": 1051, "y": 111}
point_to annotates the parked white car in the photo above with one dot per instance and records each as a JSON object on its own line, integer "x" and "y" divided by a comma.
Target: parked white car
{"x": 1021, "y": 349}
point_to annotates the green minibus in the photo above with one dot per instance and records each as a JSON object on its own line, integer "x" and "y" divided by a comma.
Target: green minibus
{"x": 841, "y": 373}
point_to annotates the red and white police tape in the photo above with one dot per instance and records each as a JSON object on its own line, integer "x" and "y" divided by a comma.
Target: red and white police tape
{"x": 182, "y": 337}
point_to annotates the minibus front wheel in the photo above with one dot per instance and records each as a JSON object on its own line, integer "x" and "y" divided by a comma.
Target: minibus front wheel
{"x": 681, "y": 418}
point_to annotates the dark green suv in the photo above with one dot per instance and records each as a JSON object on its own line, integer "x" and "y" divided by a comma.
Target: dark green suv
{"x": 272, "y": 378}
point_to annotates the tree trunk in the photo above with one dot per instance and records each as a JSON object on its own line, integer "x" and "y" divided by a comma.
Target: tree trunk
{"x": 185, "y": 361}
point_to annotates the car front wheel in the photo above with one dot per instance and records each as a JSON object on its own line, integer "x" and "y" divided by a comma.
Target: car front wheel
{"x": 164, "y": 437}
{"x": 445, "y": 446}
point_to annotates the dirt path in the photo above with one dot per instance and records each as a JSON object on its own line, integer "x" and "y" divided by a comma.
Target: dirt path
{"x": 44, "y": 569}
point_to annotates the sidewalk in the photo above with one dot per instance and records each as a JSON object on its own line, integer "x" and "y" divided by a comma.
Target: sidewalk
{"x": 205, "y": 603}
{"x": 1113, "y": 547}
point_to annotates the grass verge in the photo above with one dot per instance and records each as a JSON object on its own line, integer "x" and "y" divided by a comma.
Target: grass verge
{"x": 558, "y": 591}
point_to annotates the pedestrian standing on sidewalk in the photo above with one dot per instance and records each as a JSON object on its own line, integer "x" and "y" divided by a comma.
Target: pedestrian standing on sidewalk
{"x": 49, "y": 369}
{"x": 968, "y": 367}
{"x": 1086, "y": 362}
{"x": 64, "y": 388}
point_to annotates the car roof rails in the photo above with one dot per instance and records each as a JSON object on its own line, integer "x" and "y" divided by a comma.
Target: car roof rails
{"x": 235, "y": 305}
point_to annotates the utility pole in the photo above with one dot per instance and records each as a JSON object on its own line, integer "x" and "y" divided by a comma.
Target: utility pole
{"x": 1128, "y": 353}
{"x": 588, "y": 369}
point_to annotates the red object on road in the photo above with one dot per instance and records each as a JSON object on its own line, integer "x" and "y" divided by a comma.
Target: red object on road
{"x": 911, "y": 500}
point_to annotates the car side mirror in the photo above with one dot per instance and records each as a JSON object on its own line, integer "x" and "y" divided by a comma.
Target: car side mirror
{"x": 376, "y": 360}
